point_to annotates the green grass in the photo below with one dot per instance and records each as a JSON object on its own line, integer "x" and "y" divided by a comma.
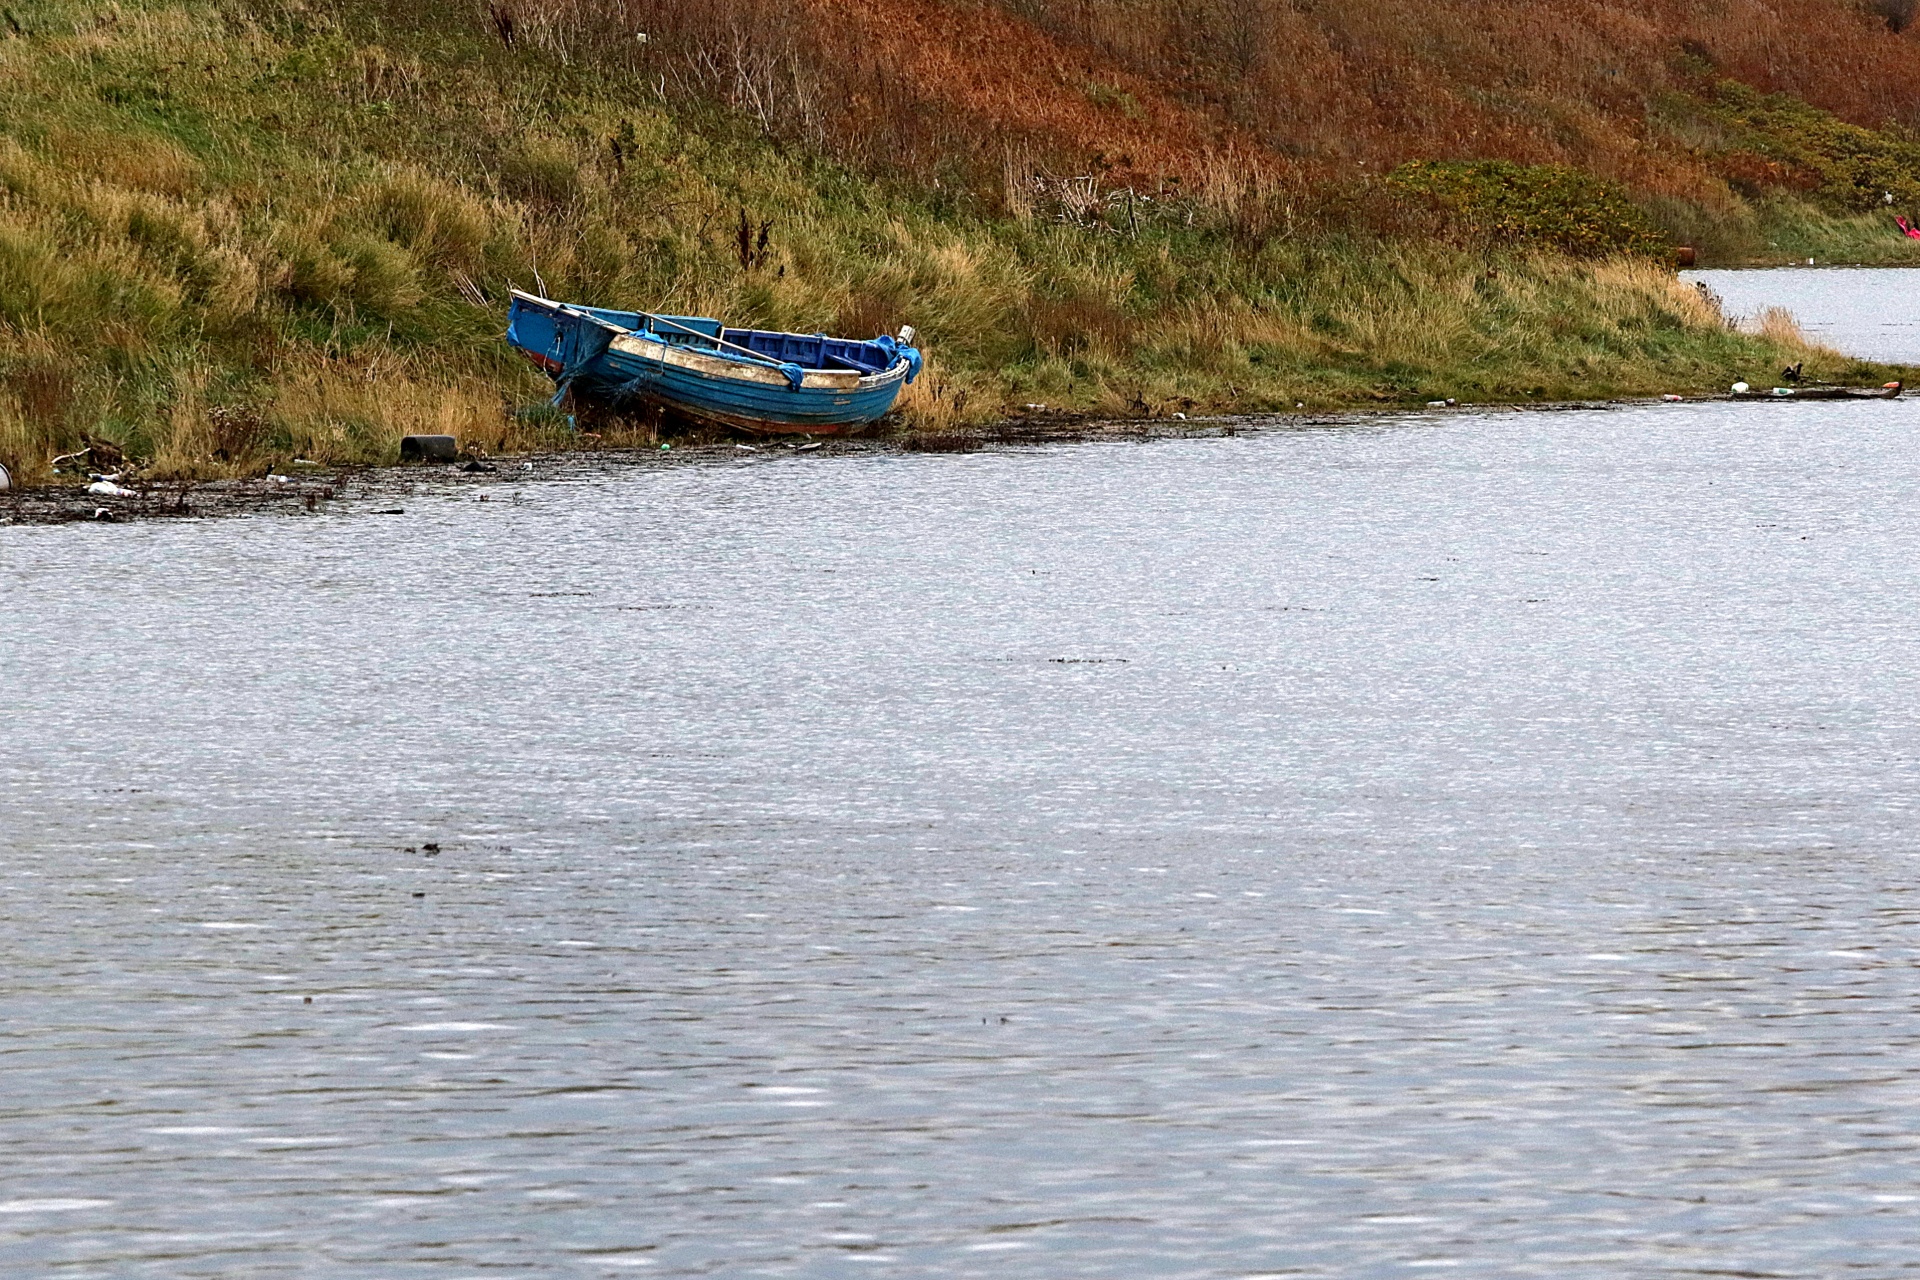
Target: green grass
{"x": 231, "y": 234}
{"x": 1780, "y": 229}
{"x": 1787, "y": 230}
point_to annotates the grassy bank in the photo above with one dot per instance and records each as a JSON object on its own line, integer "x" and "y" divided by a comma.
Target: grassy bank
{"x": 235, "y": 234}
{"x": 1778, "y": 229}
{"x": 1786, "y": 231}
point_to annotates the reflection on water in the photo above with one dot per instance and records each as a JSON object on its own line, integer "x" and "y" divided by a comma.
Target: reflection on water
{"x": 1480, "y": 844}
{"x": 1870, "y": 312}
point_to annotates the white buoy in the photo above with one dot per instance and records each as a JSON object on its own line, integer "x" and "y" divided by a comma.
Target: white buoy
{"x": 6, "y": 480}
{"x": 1740, "y": 388}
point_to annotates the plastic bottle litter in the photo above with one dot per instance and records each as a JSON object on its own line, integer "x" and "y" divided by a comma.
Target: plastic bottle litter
{"x": 108, "y": 489}
{"x": 1671, "y": 398}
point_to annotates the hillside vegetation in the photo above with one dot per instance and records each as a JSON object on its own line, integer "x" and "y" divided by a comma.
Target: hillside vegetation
{"x": 237, "y": 232}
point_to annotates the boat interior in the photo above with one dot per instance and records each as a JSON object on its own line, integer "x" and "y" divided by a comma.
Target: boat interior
{"x": 808, "y": 350}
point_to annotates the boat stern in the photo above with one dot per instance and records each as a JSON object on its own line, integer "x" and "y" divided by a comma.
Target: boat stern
{"x": 561, "y": 340}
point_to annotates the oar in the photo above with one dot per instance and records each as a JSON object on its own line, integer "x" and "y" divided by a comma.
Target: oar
{"x": 711, "y": 338}
{"x": 769, "y": 361}
{"x": 746, "y": 351}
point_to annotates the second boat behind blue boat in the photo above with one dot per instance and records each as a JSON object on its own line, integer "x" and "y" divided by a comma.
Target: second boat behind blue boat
{"x": 753, "y": 379}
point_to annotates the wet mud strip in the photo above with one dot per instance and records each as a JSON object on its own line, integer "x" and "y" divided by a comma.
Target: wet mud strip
{"x": 386, "y": 490}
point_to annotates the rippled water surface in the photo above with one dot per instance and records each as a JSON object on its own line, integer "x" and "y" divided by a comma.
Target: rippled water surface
{"x": 1870, "y": 312}
{"x": 1481, "y": 843}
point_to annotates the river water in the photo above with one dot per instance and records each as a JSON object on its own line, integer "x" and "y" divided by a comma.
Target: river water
{"x": 1481, "y": 842}
{"x": 1870, "y": 312}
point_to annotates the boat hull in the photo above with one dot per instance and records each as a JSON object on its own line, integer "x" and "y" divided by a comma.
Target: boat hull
{"x": 602, "y": 361}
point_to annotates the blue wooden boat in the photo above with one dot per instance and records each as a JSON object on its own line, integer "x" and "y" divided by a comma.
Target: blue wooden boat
{"x": 753, "y": 379}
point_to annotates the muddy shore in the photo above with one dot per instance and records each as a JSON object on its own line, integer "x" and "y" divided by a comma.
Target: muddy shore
{"x": 386, "y": 490}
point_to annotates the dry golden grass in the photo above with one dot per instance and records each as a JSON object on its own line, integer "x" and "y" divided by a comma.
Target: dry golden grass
{"x": 135, "y": 162}
{"x": 23, "y": 444}
{"x": 333, "y": 412}
{"x": 939, "y": 402}
{"x": 1777, "y": 325}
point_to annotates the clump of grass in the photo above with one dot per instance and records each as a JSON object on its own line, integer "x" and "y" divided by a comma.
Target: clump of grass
{"x": 1778, "y": 326}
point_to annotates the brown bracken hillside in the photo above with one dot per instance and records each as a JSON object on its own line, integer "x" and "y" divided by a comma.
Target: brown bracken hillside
{"x": 1161, "y": 89}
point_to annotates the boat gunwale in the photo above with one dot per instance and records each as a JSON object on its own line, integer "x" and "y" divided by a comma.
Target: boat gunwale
{"x": 731, "y": 361}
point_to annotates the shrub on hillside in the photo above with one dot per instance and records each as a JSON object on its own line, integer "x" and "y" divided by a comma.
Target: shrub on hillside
{"x": 1853, "y": 168}
{"x": 1497, "y": 201}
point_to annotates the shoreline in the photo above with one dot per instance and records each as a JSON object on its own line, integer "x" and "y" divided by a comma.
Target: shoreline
{"x": 385, "y": 490}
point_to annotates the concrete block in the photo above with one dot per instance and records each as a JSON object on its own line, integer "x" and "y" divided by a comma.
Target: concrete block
{"x": 429, "y": 449}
